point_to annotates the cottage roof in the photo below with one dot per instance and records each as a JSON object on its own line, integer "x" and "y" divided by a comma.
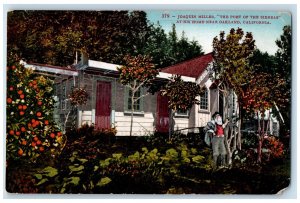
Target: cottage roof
{"x": 113, "y": 68}
{"x": 69, "y": 70}
{"x": 191, "y": 68}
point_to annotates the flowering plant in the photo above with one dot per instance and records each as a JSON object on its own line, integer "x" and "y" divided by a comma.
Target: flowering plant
{"x": 275, "y": 147}
{"x": 78, "y": 96}
{"x": 30, "y": 130}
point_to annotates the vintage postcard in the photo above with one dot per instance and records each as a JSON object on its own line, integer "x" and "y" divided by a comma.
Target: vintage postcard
{"x": 148, "y": 102}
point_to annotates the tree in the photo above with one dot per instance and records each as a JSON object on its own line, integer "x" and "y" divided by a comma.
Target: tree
{"x": 45, "y": 36}
{"x": 262, "y": 94}
{"x": 167, "y": 49}
{"x": 257, "y": 100}
{"x": 269, "y": 88}
{"x": 158, "y": 47}
{"x": 182, "y": 49}
{"x": 77, "y": 97}
{"x": 231, "y": 71}
{"x": 187, "y": 49}
{"x": 181, "y": 96}
{"x": 30, "y": 129}
{"x": 138, "y": 72}
{"x": 283, "y": 68}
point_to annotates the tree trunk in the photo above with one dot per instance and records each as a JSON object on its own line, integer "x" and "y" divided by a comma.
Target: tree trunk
{"x": 259, "y": 149}
{"x": 262, "y": 131}
{"x": 259, "y": 146}
{"x": 171, "y": 124}
{"x": 239, "y": 134}
{"x": 234, "y": 134}
{"x": 132, "y": 110}
{"x": 66, "y": 121}
{"x": 226, "y": 130}
{"x": 227, "y": 146}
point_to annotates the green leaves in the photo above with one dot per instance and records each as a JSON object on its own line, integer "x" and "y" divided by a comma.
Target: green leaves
{"x": 103, "y": 181}
{"x": 231, "y": 57}
{"x": 172, "y": 153}
{"x": 134, "y": 157}
{"x": 74, "y": 180}
{"x": 105, "y": 163}
{"x": 168, "y": 48}
{"x": 43, "y": 37}
{"x": 42, "y": 181}
{"x": 181, "y": 95}
{"x": 76, "y": 168}
{"x": 44, "y": 175}
{"x": 87, "y": 176}
{"x": 198, "y": 159}
{"x": 78, "y": 96}
{"x": 117, "y": 156}
{"x": 152, "y": 155}
{"x": 38, "y": 176}
{"x": 29, "y": 110}
{"x": 49, "y": 171}
{"x": 137, "y": 70}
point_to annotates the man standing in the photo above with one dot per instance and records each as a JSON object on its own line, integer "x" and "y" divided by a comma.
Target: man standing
{"x": 218, "y": 145}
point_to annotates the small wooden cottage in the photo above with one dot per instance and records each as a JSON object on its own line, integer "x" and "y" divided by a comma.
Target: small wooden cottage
{"x": 108, "y": 105}
{"x": 108, "y": 102}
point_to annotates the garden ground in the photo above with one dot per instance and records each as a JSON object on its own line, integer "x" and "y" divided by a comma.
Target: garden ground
{"x": 99, "y": 163}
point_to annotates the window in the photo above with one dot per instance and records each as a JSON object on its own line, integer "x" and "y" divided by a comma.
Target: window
{"x": 204, "y": 100}
{"x": 138, "y": 105}
{"x": 181, "y": 112}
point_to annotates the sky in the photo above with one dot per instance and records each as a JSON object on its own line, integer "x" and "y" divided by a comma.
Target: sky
{"x": 203, "y": 26}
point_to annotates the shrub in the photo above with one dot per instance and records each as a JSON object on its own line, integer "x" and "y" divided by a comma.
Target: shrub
{"x": 144, "y": 171}
{"x": 31, "y": 130}
{"x": 275, "y": 148}
{"x": 89, "y": 133}
{"x": 83, "y": 132}
{"x": 162, "y": 140}
{"x": 78, "y": 96}
{"x": 105, "y": 135}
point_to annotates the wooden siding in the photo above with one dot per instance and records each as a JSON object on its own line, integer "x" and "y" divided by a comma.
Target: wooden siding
{"x": 85, "y": 81}
{"x": 63, "y": 86}
{"x": 144, "y": 123}
{"x": 181, "y": 122}
{"x": 85, "y": 117}
{"x": 214, "y": 100}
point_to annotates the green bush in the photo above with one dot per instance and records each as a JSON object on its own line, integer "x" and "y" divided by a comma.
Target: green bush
{"x": 162, "y": 140}
{"x": 144, "y": 171}
{"x": 89, "y": 133}
{"x": 31, "y": 132}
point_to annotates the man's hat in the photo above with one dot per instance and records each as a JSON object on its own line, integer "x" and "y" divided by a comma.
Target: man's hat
{"x": 215, "y": 114}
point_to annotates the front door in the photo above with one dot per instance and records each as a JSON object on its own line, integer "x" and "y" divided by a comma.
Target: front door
{"x": 162, "y": 112}
{"x": 103, "y": 105}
